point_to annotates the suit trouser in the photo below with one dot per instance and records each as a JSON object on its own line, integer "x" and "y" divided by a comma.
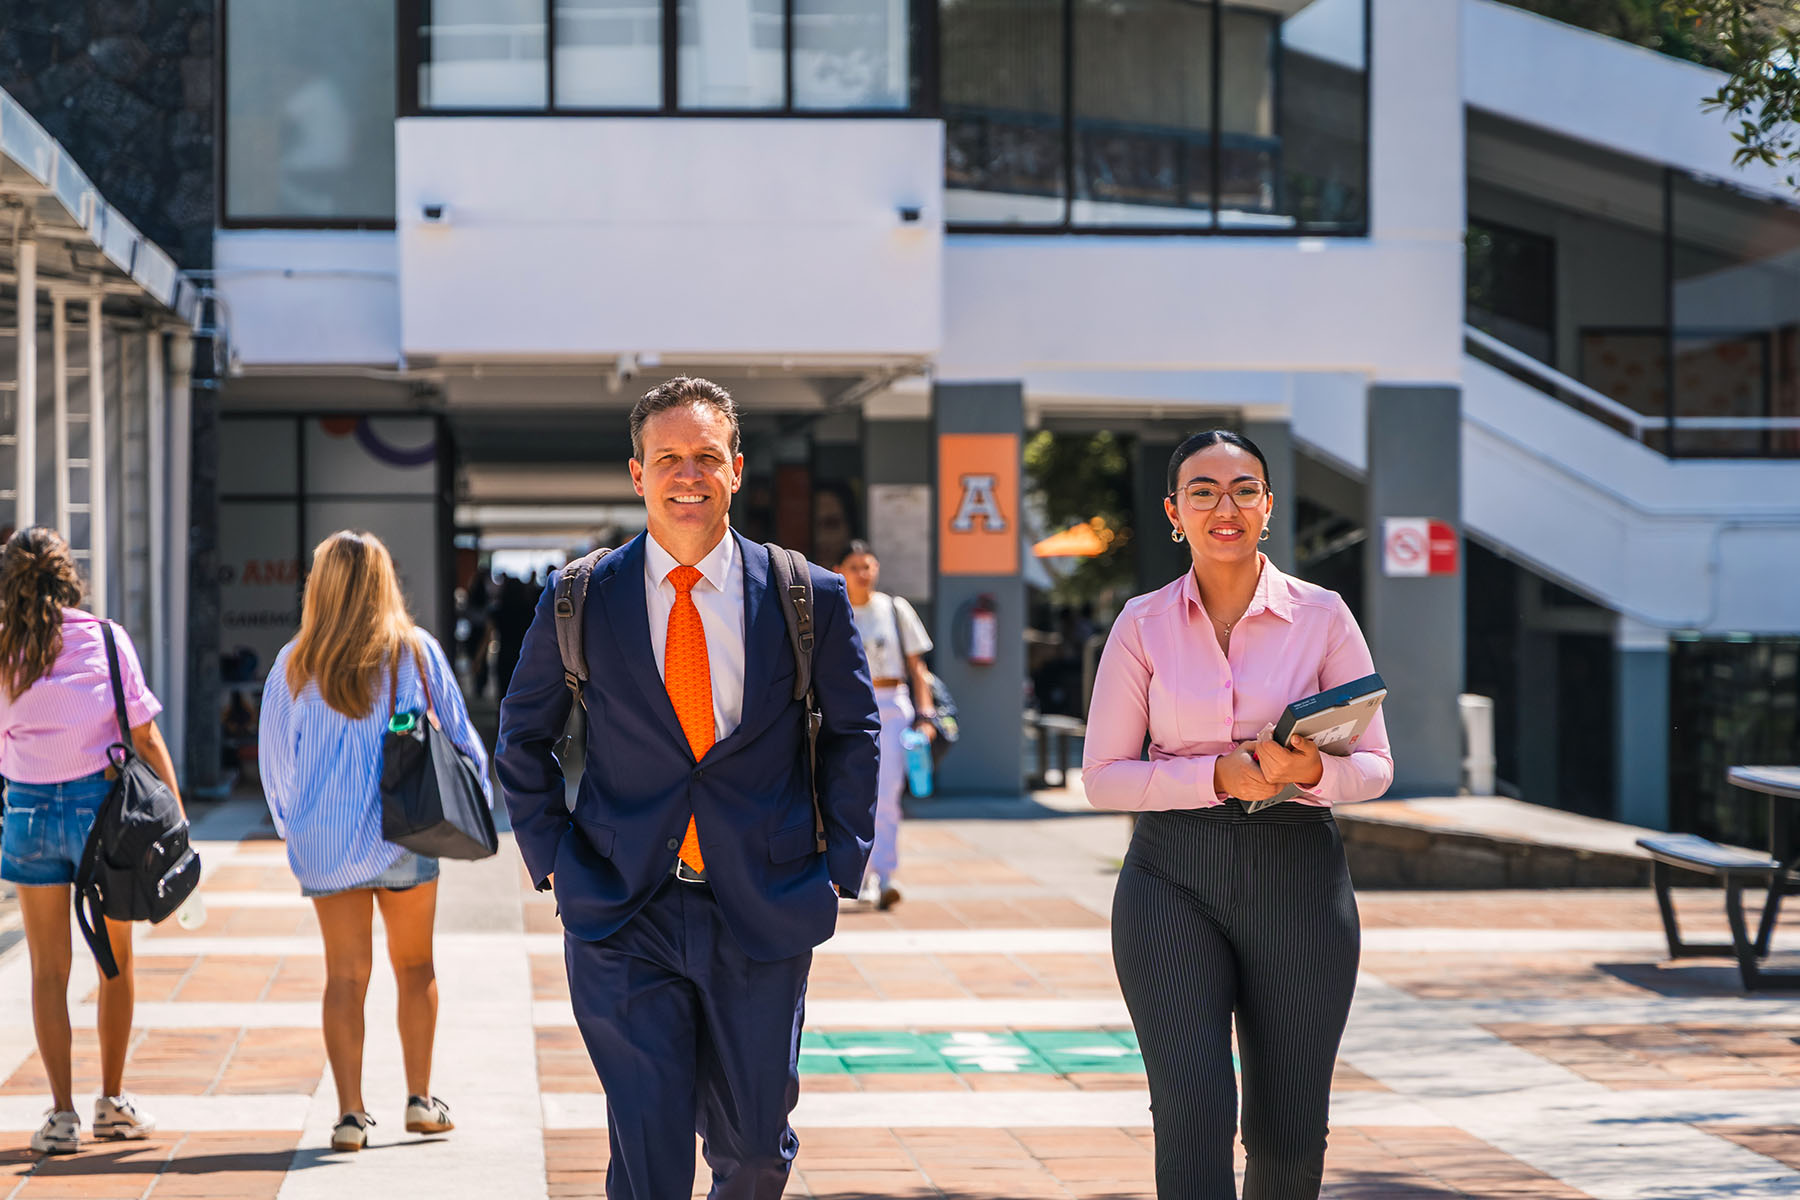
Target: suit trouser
{"x": 689, "y": 1034}
{"x": 1221, "y": 913}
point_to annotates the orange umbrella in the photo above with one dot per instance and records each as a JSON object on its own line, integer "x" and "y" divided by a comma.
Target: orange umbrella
{"x": 1077, "y": 541}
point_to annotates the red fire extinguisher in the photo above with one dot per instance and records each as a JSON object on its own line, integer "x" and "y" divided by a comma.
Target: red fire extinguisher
{"x": 984, "y": 632}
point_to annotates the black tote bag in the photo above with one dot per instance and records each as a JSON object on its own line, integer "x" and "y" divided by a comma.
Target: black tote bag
{"x": 432, "y": 801}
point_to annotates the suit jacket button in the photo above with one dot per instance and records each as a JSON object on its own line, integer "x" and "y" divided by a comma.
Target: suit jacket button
{"x": 674, "y": 843}
{"x": 698, "y": 772}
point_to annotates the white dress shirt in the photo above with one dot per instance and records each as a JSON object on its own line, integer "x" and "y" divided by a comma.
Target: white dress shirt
{"x": 719, "y": 595}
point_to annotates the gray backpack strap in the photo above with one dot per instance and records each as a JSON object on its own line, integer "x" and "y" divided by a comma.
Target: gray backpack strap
{"x": 793, "y": 581}
{"x": 571, "y": 603}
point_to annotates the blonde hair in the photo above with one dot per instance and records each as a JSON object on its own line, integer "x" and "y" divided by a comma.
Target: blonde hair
{"x": 38, "y": 579}
{"x": 353, "y": 623}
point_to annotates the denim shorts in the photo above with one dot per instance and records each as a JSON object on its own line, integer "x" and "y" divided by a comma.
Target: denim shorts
{"x": 47, "y": 827}
{"x": 408, "y": 871}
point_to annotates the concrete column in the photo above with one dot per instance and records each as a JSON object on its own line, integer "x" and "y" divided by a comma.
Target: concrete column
{"x": 897, "y": 454}
{"x": 101, "y": 548}
{"x": 1415, "y": 625}
{"x": 25, "y": 505}
{"x": 203, "y": 734}
{"x": 1155, "y": 558}
{"x": 1276, "y": 440}
{"x": 1641, "y": 724}
{"x": 989, "y": 759}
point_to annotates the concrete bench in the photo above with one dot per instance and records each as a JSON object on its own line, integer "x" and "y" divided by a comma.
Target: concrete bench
{"x": 1688, "y": 852}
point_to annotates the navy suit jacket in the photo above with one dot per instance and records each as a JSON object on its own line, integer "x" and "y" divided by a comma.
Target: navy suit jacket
{"x": 749, "y": 793}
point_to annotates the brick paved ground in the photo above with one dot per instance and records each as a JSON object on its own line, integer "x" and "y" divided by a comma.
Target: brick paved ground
{"x": 971, "y": 1043}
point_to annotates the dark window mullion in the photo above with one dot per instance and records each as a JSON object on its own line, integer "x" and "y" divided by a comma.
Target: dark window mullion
{"x": 787, "y": 56}
{"x": 671, "y": 43}
{"x": 1068, "y": 113}
{"x": 1215, "y": 149}
{"x": 550, "y": 55}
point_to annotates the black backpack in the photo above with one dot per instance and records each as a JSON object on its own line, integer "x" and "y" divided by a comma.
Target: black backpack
{"x": 793, "y": 582}
{"x": 137, "y": 864}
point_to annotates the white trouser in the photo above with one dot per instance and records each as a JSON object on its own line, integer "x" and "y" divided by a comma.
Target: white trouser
{"x": 896, "y": 709}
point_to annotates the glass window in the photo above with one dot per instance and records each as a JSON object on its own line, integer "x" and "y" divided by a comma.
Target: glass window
{"x": 851, "y": 54}
{"x": 1249, "y": 143}
{"x": 1178, "y": 107}
{"x": 1323, "y": 117}
{"x": 1143, "y": 112}
{"x": 730, "y": 54}
{"x": 1736, "y": 301}
{"x": 309, "y": 110}
{"x": 609, "y": 53}
{"x": 484, "y": 54}
{"x": 1002, "y": 83}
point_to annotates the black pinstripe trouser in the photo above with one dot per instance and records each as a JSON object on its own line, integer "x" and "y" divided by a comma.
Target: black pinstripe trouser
{"x": 1217, "y": 913}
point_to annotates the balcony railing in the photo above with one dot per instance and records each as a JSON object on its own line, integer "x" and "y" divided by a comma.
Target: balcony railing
{"x": 1669, "y": 433}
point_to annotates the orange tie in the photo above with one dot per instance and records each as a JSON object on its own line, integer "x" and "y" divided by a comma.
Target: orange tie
{"x": 688, "y": 676}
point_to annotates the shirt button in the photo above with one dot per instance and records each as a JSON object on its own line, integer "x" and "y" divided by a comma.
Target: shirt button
{"x": 673, "y": 843}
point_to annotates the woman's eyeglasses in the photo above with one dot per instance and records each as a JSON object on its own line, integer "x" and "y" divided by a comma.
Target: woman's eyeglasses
{"x": 1204, "y": 497}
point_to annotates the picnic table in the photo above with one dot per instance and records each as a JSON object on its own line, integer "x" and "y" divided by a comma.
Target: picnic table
{"x": 1780, "y": 787}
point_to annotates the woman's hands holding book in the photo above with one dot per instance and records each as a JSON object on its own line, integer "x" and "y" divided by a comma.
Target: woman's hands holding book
{"x": 1237, "y": 774}
{"x": 1296, "y": 763}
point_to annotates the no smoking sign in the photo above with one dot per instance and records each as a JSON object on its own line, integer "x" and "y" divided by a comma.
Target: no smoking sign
{"x": 1417, "y": 546}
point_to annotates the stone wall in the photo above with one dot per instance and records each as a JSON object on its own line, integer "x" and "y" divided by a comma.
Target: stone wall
{"x": 128, "y": 87}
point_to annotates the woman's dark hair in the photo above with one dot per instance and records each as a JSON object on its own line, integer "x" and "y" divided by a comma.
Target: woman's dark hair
{"x": 38, "y": 580}
{"x": 857, "y": 546}
{"x": 1197, "y": 442}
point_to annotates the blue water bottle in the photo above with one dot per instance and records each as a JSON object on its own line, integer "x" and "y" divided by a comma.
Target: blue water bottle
{"x": 918, "y": 762}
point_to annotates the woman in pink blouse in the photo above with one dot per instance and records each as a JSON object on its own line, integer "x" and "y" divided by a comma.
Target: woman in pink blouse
{"x": 1219, "y": 911}
{"x": 57, "y": 720}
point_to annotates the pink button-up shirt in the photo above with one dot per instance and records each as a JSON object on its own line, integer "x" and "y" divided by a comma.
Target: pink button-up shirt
{"x": 1164, "y": 674}
{"x": 58, "y": 729}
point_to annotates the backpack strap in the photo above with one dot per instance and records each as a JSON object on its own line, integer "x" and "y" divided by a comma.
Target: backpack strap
{"x": 571, "y": 604}
{"x": 88, "y": 901}
{"x": 118, "y": 686}
{"x": 793, "y": 579}
{"x": 793, "y": 582}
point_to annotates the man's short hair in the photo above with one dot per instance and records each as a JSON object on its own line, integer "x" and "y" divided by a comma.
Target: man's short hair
{"x": 676, "y": 393}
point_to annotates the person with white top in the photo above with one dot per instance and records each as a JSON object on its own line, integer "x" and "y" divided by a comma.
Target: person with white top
{"x": 896, "y": 643}
{"x": 325, "y": 711}
{"x": 57, "y": 724}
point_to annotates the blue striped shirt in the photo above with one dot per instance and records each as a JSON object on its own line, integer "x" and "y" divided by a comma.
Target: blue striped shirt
{"x": 321, "y": 770}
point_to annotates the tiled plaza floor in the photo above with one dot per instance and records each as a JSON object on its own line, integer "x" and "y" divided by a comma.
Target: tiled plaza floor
{"x": 970, "y": 1043}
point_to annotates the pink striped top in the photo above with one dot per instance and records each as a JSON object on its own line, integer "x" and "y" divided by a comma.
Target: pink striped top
{"x": 60, "y": 728}
{"x": 1164, "y": 674}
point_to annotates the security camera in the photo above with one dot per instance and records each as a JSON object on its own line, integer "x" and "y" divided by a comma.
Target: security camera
{"x": 625, "y": 368}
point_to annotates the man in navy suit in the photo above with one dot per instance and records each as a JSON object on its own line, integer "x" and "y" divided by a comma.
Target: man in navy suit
{"x": 687, "y": 875}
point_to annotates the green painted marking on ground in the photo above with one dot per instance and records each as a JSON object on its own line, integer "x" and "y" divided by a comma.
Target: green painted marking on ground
{"x": 1035, "y": 1052}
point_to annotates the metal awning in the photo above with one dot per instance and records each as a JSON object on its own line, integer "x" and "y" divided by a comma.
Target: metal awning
{"x": 79, "y": 236}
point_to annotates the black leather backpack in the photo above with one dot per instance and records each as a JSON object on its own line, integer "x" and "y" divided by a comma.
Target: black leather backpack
{"x": 137, "y": 864}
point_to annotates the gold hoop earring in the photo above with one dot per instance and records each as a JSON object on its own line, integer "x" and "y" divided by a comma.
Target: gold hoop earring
{"x": 1175, "y": 535}
{"x": 1264, "y": 535}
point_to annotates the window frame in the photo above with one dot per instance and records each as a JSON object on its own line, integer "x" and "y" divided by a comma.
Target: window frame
{"x": 221, "y": 123}
{"x": 1067, "y": 226}
{"x": 413, "y": 52}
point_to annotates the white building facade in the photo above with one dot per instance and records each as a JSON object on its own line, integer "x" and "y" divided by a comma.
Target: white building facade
{"x": 1443, "y": 259}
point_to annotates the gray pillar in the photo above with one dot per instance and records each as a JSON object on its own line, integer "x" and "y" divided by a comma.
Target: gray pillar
{"x": 1155, "y": 558}
{"x": 989, "y": 759}
{"x": 899, "y": 454}
{"x": 204, "y": 777}
{"x": 1641, "y": 725}
{"x": 1415, "y": 625}
{"x": 1276, "y": 440}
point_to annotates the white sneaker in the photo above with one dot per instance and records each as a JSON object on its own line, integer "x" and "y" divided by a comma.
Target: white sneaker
{"x": 61, "y": 1132}
{"x": 428, "y": 1114}
{"x": 871, "y": 891}
{"x": 352, "y": 1131}
{"x": 119, "y": 1118}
